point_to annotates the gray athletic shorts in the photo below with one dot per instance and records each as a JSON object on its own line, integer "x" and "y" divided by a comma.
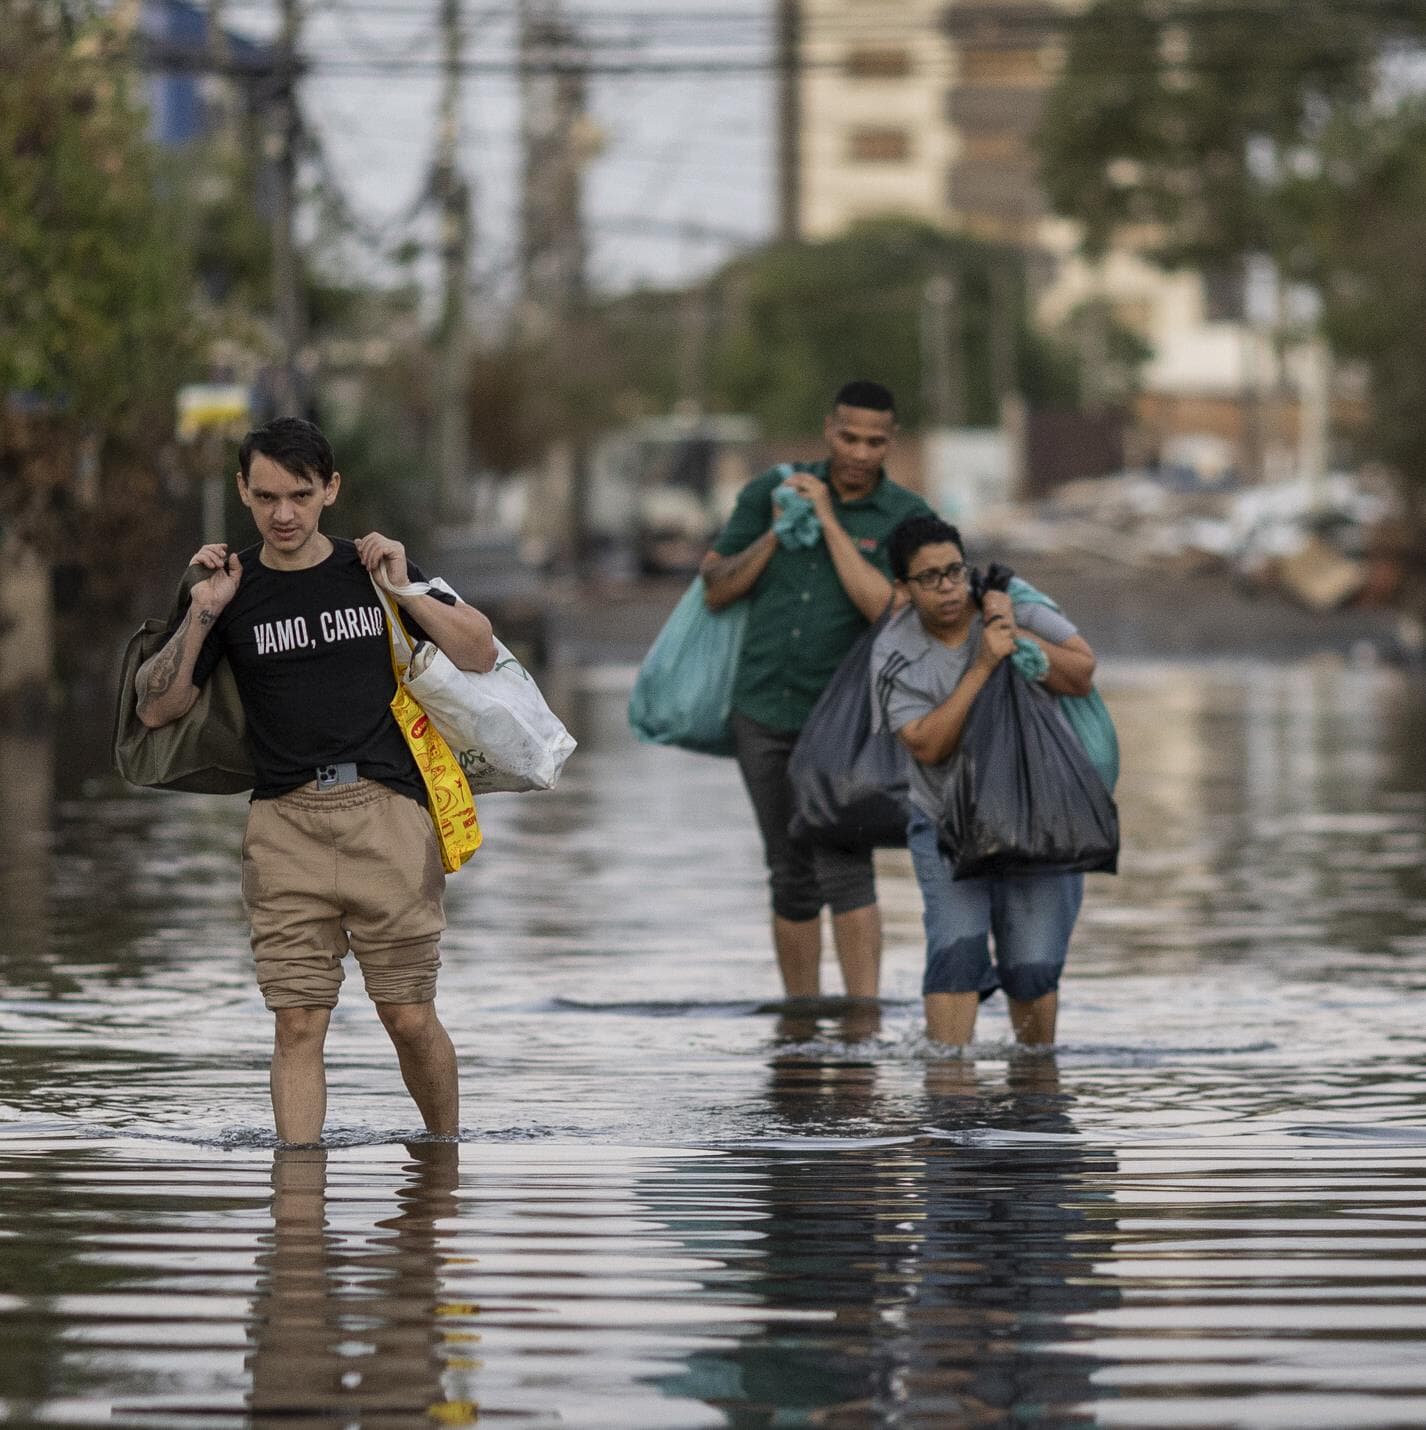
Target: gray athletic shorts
{"x": 803, "y": 876}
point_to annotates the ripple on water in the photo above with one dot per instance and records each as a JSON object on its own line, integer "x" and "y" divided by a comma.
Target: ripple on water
{"x": 679, "y": 1200}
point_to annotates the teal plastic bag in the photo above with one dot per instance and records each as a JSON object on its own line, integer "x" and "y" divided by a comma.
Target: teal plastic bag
{"x": 1088, "y": 715}
{"x": 683, "y": 694}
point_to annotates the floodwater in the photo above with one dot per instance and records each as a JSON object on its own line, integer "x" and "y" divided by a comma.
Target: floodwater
{"x": 677, "y": 1204}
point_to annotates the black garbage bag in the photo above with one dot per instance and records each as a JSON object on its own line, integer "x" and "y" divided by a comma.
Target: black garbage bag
{"x": 994, "y": 578}
{"x": 849, "y": 785}
{"x": 1022, "y": 797}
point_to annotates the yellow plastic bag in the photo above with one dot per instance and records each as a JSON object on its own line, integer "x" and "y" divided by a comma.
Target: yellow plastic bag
{"x": 448, "y": 793}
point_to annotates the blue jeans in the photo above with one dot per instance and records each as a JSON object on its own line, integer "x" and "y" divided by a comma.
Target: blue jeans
{"x": 1030, "y": 916}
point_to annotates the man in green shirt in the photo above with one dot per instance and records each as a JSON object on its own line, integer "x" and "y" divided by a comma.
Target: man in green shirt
{"x": 807, "y": 607}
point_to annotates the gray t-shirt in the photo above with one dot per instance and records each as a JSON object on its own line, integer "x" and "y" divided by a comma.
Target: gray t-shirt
{"x": 912, "y": 673}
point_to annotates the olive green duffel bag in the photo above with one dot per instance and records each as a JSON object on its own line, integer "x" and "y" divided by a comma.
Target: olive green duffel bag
{"x": 204, "y": 752}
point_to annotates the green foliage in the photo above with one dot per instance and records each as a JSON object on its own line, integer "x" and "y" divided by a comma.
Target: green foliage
{"x": 1368, "y": 222}
{"x": 213, "y": 183}
{"x": 92, "y": 286}
{"x": 384, "y": 487}
{"x": 1205, "y": 132}
{"x": 774, "y": 335}
{"x": 800, "y": 319}
{"x": 95, "y": 330}
{"x": 1183, "y": 121}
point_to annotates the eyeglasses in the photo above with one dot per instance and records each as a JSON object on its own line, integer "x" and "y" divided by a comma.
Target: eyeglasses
{"x": 929, "y": 580}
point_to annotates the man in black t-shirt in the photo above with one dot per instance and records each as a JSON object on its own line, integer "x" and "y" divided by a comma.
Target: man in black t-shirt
{"x": 340, "y": 852}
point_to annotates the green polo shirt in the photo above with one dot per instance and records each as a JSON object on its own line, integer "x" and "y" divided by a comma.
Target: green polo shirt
{"x": 801, "y": 623}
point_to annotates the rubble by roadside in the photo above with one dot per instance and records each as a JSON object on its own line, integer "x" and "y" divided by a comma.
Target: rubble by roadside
{"x": 1290, "y": 565}
{"x": 1319, "y": 544}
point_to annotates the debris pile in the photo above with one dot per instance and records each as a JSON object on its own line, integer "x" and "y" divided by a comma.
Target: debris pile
{"x": 1323, "y": 544}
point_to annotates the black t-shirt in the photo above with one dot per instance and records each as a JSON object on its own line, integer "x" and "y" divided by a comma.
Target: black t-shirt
{"x": 310, "y": 653}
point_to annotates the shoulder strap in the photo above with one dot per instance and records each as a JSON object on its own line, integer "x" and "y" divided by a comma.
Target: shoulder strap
{"x": 396, "y": 632}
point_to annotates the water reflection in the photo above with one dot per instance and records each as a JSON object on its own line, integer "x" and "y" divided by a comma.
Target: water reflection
{"x": 26, "y": 834}
{"x": 1004, "y": 1256}
{"x": 347, "y": 1326}
{"x": 922, "y": 1280}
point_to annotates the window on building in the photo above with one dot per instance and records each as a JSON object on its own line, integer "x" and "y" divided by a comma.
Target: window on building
{"x": 1002, "y": 66}
{"x": 1225, "y": 294}
{"x": 878, "y": 145}
{"x": 878, "y": 62}
{"x": 992, "y": 149}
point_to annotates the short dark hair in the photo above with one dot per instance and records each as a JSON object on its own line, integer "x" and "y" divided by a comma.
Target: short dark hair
{"x": 912, "y": 534}
{"x": 296, "y": 445}
{"x": 870, "y": 395}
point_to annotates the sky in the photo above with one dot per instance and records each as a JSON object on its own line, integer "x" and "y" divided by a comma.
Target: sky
{"x": 680, "y": 147}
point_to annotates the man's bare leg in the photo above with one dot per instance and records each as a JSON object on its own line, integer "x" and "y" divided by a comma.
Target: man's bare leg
{"x": 299, "y": 1075}
{"x": 950, "y": 1017}
{"x": 798, "y": 944}
{"x": 1034, "y": 1022}
{"x": 857, "y": 934}
{"x": 428, "y": 1062}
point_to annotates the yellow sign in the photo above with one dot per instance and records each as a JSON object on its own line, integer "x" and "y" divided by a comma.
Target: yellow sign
{"x": 218, "y": 408}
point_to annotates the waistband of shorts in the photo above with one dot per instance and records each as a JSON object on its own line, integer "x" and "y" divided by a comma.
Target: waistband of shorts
{"x": 352, "y": 796}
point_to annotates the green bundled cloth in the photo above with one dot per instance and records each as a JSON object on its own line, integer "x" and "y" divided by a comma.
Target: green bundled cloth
{"x": 797, "y": 526}
{"x": 1029, "y": 659}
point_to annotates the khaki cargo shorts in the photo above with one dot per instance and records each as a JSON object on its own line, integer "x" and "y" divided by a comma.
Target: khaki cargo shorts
{"x": 355, "y": 867}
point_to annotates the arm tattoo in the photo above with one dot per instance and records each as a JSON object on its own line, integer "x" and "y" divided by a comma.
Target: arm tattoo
{"x": 730, "y": 566}
{"x": 162, "y": 670}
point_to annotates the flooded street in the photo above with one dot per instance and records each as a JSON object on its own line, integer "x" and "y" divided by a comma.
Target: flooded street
{"x": 678, "y": 1203}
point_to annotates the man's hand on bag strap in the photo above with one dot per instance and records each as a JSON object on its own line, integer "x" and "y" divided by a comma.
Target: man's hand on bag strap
{"x": 461, "y": 631}
{"x": 385, "y": 558}
{"x": 213, "y": 555}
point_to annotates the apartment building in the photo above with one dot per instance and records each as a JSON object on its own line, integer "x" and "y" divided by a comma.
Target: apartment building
{"x": 929, "y": 108}
{"x": 871, "y": 132}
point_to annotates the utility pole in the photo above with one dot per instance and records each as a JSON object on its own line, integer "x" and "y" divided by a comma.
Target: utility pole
{"x": 219, "y": 97}
{"x": 693, "y": 318}
{"x": 556, "y": 142}
{"x": 942, "y": 379}
{"x": 1092, "y": 340}
{"x": 289, "y": 389}
{"x": 1004, "y": 324}
{"x": 1315, "y": 418}
{"x": 452, "y": 196}
{"x": 789, "y": 120}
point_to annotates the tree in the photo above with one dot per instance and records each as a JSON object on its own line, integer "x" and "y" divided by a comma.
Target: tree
{"x": 797, "y": 320}
{"x": 1181, "y": 123}
{"x": 1368, "y": 214}
{"x": 94, "y": 329}
{"x": 1206, "y": 132}
{"x": 774, "y": 334}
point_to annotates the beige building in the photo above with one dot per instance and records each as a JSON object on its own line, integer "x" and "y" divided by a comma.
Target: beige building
{"x": 929, "y": 108}
{"x": 872, "y": 137}
{"x": 920, "y": 108}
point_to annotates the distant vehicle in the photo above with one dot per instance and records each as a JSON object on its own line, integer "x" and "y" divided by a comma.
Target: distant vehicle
{"x": 673, "y": 530}
{"x": 489, "y": 572}
{"x": 662, "y": 487}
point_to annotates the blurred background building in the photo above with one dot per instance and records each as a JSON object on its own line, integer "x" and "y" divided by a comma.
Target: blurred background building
{"x": 932, "y": 110}
{"x": 557, "y": 276}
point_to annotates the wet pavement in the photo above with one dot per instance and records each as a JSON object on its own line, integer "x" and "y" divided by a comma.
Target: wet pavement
{"x": 679, "y": 1203}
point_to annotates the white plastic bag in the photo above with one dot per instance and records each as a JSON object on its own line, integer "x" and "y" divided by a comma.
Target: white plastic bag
{"x": 498, "y": 725}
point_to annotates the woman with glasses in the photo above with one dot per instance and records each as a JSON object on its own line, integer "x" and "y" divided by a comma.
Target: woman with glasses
{"x": 928, "y": 665}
